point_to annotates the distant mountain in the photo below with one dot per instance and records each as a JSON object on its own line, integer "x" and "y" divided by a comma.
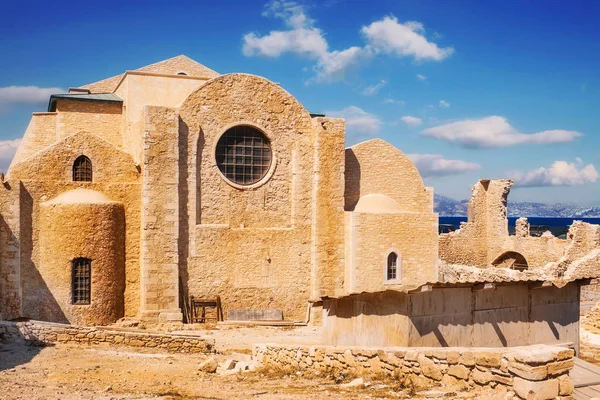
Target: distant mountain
{"x": 447, "y": 207}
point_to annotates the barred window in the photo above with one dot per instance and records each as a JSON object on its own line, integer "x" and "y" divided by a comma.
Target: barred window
{"x": 82, "y": 281}
{"x": 82, "y": 169}
{"x": 243, "y": 155}
{"x": 392, "y": 266}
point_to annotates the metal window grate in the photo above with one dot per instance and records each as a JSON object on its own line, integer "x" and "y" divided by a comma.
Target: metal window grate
{"x": 392, "y": 266}
{"x": 82, "y": 280}
{"x": 243, "y": 155}
{"x": 82, "y": 169}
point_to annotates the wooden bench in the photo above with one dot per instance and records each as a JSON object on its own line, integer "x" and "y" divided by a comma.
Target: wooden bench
{"x": 206, "y": 309}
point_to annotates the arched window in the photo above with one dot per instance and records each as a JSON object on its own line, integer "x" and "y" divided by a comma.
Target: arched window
{"x": 392, "y": 266}
{"x": 243, "y": 155}
{"x": 82, "y": 281}
{"x": 82, "y": 169}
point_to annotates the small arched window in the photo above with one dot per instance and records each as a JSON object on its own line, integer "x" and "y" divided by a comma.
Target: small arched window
{"x": 82, "y": 281}
{"x": 82, "y": 169}
{"x": 392, "y": 266}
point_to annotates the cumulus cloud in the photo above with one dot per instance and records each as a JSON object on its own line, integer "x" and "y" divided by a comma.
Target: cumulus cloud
{"x": 411, "y": 121}
{"x": 436, "y": 165}
{"x": 444, "y": 104}
{"x": 560, "y": 173}
{"x": 302, "y": 37}
{"x": 8, "y": 149}
{"x": 403, "y": 39}
{"x": 32, "y": 95}
{"x": 374, "y": 89}
{"x": 494, "y": 131}
{"x": 359, "y": 123}
{"x": 421, "y": 77}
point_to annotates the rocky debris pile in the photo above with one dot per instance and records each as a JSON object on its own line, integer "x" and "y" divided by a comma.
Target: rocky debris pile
{"x": 243, "y": 363}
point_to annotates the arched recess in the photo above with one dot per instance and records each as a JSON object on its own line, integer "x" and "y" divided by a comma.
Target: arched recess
{"x": 512, "y": 260}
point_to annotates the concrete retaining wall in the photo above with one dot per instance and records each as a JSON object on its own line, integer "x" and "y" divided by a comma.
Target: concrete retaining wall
{"x": 541, "y": 370}
{"x": 50, "y": 333}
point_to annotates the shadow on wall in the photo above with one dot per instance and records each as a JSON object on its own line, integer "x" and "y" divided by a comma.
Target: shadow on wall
{"x": 506, "y": 316}
{"x": 352, "y": 181}
{"x": 37, "y": 300}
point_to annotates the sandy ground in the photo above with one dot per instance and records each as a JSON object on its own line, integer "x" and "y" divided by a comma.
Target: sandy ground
{"x": 77, "y": 372}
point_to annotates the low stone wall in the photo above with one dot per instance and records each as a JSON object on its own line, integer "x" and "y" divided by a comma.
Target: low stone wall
{"x": 541, "y": 370}
{"x": 44, "y": 333}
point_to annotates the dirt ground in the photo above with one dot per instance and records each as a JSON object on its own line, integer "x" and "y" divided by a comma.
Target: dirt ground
{"x": 69, "y": 372}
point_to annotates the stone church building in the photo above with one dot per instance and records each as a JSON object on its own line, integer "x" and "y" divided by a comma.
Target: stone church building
{"x": 174, "y": 180}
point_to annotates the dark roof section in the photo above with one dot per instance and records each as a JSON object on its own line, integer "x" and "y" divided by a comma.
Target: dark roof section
{"x": 95, "y": 97}
{"x": 314, "y": 115}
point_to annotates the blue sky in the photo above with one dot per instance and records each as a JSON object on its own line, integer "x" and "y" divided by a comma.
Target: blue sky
{"x": 469, "y": 89}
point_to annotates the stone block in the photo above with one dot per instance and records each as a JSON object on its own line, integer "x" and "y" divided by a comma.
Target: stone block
{"x": 532, "y": 373}
{"x": 537, "y": 355}
{"x": 565, "y": 385}
{"x": 488, "y": 359}
{"x": 560, "y": 367}
{"x": 482, "y": 377}
{"x": 430, "y": 369}
{"x": 539, "y": 390}
{"x": 459, "y": 371}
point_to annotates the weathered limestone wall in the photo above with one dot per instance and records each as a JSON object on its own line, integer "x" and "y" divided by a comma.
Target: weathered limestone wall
{"x": 388, "y": 209}
{"x": 534, "y": 372}
{"x": 101, "y": 119}
{"x": 377, "y": 167}
{"x": 40, "y": 134}
{"x": 10, "y": 269}
{"x": 139, "y": 90}
{"x": 48, "y": 174}
{"x": 370, "y": 239}
{"x": 160, "y": 219}
{"x": 82, "y": 223}
{"x": 509, "y": 315}
{"x": 38, "y": 332}
{"x": 254, "y": 247}
{"x": 328, "y": 214}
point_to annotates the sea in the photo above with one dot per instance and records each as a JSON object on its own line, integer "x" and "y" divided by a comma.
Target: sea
{"x": 558, "y": 226}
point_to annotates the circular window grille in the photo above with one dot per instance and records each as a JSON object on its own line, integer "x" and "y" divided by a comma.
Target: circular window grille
{"x": 243, "y": 155}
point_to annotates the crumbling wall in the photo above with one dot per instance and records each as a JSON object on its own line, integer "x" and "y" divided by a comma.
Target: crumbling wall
{"x": 10, "y": 269}
{"x": 484, "y": 237}
{"x": 538, "y": 371}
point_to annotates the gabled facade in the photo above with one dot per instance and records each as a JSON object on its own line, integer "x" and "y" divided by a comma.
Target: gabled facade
{"x": 137, "y": 191}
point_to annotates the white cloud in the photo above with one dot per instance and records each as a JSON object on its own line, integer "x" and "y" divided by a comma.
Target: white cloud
{"x": 560, "y": 173}
{"x": 444, "y": 104}
{"x": 494, "y": 131}
{"x": 421, "y": 77}
{"x": 391, "y": 37}
{"x": 359, "y": 123}
{"x": 8, "y": 149}
{"x": 393, "y": 101}
{"x": 374, "y": 89}
{"x": 411, "y": 121}
{"x": 302, "y": 37}
{"x": 436, "y": 165}
{"x": 26, "y": 95}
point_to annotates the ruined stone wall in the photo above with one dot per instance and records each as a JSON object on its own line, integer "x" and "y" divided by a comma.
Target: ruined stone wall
{"x": 48, "y": 174}
{"x": 253, "y": 247}
{"x": 509, "y": 315}
{"x": 484, "y": 238}
{"x": 38, "y": 332}
{"x": 71, "y": 227}
{"x": 104, "y": 120}
{"x": 531, "y": 372}
{"x": 372, "y": 237}
{"x": 40, "y": 133}
{"x": 10, "y": 270}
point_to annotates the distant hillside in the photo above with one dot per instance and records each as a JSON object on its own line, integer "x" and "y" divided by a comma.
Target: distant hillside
{"x": 448, "y": 207}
